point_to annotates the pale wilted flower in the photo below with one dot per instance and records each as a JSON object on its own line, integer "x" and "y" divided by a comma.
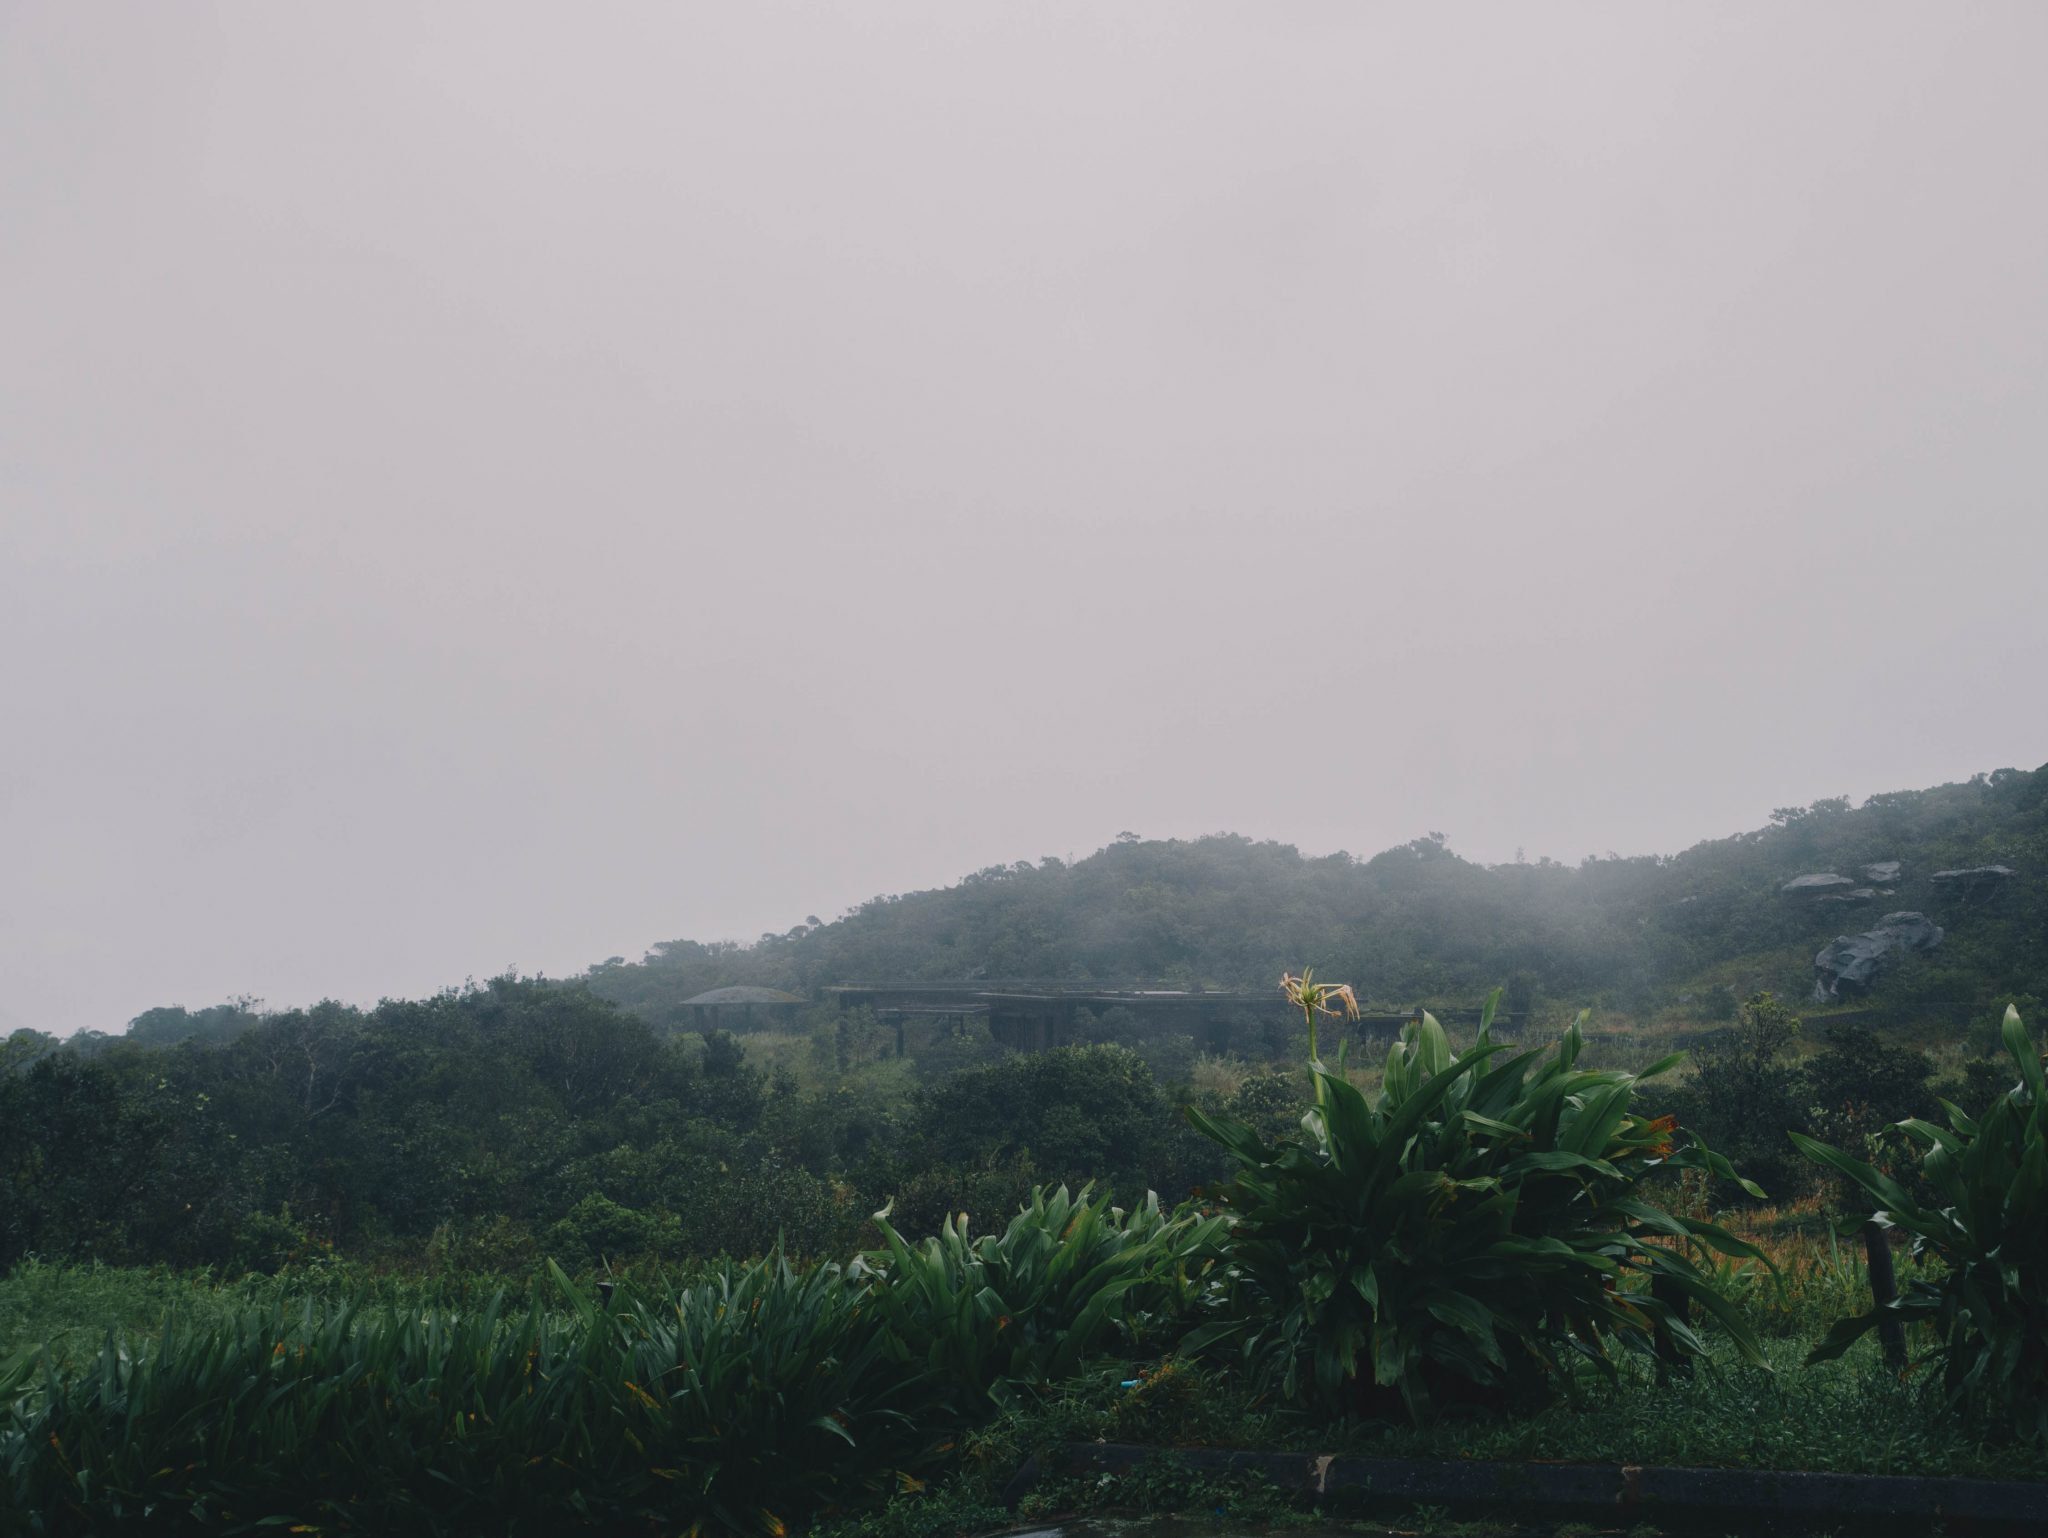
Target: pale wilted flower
{"x": 1335, "y": 1000}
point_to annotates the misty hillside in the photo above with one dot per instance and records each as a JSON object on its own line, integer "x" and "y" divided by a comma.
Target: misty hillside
{"x": 1419, "y": 923}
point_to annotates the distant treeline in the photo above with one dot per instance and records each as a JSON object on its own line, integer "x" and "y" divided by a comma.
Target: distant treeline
{"x": 1419, "y": 923}
{"x": 483, "y": 1129}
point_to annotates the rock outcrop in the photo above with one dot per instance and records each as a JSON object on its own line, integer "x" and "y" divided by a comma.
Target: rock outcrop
{"x": 1862, "y": 894}
{"x": 1857, "y": 959}
{"x": 1882, "y": 872}
{"x": 1820, "y": 881}
{"x": 1975, "y": 876}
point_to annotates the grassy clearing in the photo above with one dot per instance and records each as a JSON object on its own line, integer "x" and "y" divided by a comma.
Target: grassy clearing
{"x": 74, "y": 1309}
{"x": 744, "y": 1400}
{"x": 1849, "y": 1417}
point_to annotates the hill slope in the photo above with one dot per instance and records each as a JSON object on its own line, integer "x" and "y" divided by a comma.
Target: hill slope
{"x": 1420, "y": 923}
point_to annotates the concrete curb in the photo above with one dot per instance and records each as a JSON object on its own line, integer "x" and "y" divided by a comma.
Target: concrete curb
{"x": 1756, "y": 1498}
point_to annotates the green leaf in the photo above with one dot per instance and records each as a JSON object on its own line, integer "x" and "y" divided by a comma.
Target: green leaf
{"x": 2020, "y": 1048}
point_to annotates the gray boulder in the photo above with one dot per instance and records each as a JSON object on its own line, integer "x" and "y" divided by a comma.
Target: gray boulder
{"x": 1818, "y": 882}
{"x": 1974, "y": 876}
{"x": 1862, "y": 894}
{"x": 1857, "y": 959}
{"x": 1882, "y": 873}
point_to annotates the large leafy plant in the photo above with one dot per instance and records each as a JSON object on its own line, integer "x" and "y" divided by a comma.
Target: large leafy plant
{"x": 1471, "y": 1231}
{"x": 1068, "y": 1280}
{"x": 1986, "y": 1230}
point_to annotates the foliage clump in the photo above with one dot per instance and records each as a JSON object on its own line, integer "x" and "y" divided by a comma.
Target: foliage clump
{"x": 1984, "y": 1219}
{"x": 1070, "y": 1279}
{"x": 1469, "y": 1232}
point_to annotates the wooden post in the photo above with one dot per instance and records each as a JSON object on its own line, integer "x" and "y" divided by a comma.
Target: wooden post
{"x": 1674, "y": 1298}
{"x": 1884, "y": 1288}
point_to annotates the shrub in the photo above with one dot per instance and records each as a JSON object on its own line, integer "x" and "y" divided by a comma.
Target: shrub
{"x": 1070, "y": 1279}
{"x": 1744, "y": 1092}
{"x": 597, "y": 1228}
{"x": 1987, "y": 1300}
{"x": 925, "y": 1198}
{"x": 267, "y": 1242}
{"x": 1092, "y": 1112}
{"x": 1466, "y": 1233}
{"x": 496, "y": 1246}
{"x": 771, "y": 1206}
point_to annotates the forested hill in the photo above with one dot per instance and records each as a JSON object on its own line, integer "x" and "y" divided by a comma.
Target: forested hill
{"x": 1420, "y": 923}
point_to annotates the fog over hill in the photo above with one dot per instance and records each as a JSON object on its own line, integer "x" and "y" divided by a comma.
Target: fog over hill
{"x": 1418, "y": 922}
{"x": 561, "y": 472}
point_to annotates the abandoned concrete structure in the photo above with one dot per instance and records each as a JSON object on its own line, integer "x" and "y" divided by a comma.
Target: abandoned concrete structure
{"x": 741, "y": 1009}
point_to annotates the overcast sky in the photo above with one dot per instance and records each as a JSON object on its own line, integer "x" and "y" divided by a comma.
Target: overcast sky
{"x": 505, "y": 485}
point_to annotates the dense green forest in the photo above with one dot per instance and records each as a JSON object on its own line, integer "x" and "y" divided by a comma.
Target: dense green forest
{"x": 517, "y": 1118}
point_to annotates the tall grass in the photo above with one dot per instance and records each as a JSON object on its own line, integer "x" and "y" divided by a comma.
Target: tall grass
{"x": 756, "y": 1395}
